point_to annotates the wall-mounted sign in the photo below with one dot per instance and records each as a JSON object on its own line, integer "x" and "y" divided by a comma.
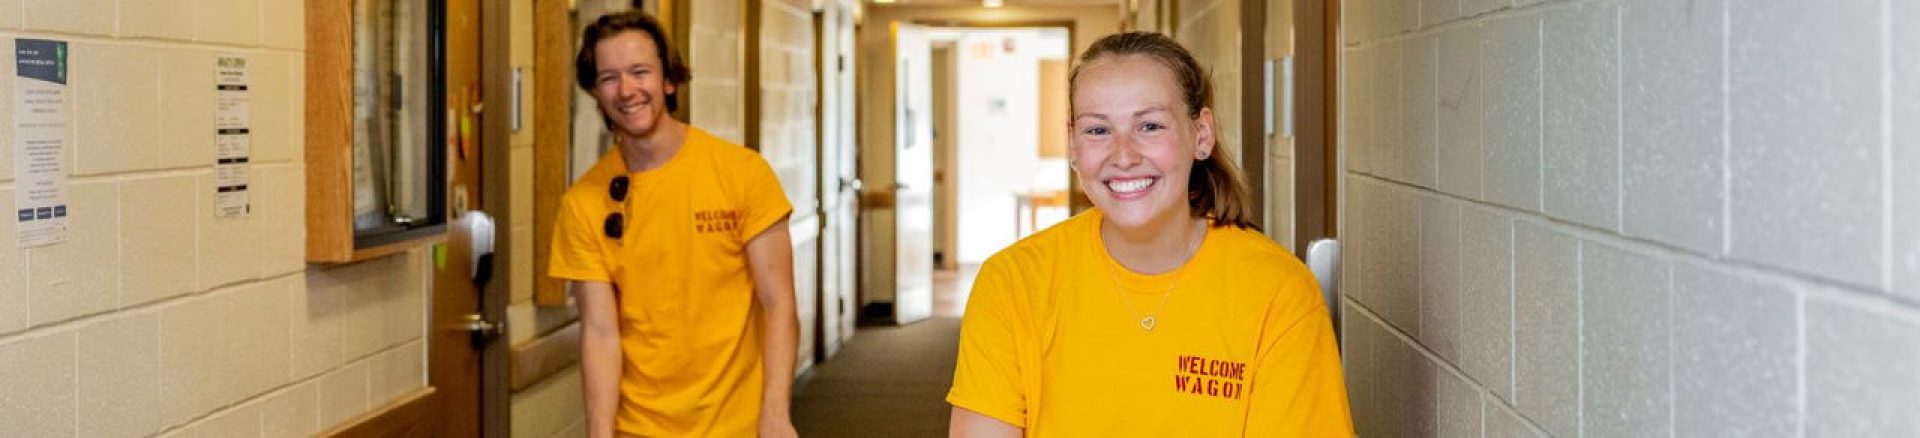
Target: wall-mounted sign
{"x": 234, "y": 144}
{"x": 42, "y": 128}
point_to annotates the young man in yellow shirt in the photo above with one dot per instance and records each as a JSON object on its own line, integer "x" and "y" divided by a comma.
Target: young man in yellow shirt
{"x": 1162, "y": 312}
{"x": 677, "y": 250}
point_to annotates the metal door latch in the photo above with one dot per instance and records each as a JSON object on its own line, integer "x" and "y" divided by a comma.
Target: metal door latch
{"x": 481, "y": 329}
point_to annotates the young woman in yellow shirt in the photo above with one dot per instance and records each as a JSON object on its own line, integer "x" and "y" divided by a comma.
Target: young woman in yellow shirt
{"x": 1161, "y": 312}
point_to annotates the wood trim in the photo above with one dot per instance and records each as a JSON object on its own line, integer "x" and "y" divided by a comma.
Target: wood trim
{"x": 329, "y": 131}
{"x": 876, "y": 200}
{"x": 408, "y": 416}
{"x": 1330, "y": 33}
{"x": 750, "y": 87}
{"x": 329, "y": 141}
{"x": 1315, "y": 192}
{"x": 375, "y": 252}
{"x": 1253, "y": 94}
{"x": 553, "y": 136}
{"x": 536, "y": 360}
{"x": 678, "y": 19}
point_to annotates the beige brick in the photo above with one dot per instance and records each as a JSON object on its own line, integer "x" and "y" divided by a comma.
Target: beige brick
{"x": 242, "y": 421}
{"x": 186, "y": 128}
{"x": 549, "y": 407}
{"x": 315, "y": 325}
{"x": 520, "y": 271}
{"x": 283, "y": 25}
{"x": 396, "y": 373}
{"x": 6, "y": 107}
{"x": 520, "y": 322}
{"x": 259, "y": 346}
{"x": 157, "y": 255}
{"x": 363, "y": 292}
{"x": 297, "y": 100}
{"x": 271, "y": 76}
{"x": 229, "y": 246}
{"x": 38, "y": 386}
{"x": 164, "y": 19}
{"x": 403, "y": 299}
{"x": 10, "y": 18}
{"x": 227, "y": 21}
{"x": 281, "y": 208}
{"x": 116, "y": 107}
{"x": 520, "y": 190}
{"x": 119, "y": 374}
{"x": 92, "y": 17}
{"x": 13, "y": 273}
{"x": 343, "y": 394}
{"x": 66, "y": 278}
{"x": 292, "y": 412}
{"x": 195, "y": 367}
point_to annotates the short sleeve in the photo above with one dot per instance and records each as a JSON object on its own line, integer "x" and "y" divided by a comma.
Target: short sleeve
{"x": 988, "y": 375}
{"x": 575, "y": 253}
{"x": 1298, "y": 388}
{"x": 763, "y": 202}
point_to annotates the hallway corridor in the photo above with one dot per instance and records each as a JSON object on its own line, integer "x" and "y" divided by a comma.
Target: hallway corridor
{"x": 890, "y": 381}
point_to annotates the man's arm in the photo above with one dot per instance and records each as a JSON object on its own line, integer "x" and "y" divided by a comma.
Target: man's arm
{"x": 599, "y": 354}
{"x": 770, "y": 258}
{"x": 969, "y": 424}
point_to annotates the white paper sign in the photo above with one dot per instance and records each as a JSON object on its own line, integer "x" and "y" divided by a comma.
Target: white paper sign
{"x": 42, "y": 128}
{"x": 231, "y": 121}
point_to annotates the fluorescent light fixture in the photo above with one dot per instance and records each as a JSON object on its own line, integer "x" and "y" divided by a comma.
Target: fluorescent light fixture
{"x": 990, "y": 3}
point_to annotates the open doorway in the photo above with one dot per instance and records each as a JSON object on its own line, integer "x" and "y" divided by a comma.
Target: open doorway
{"x": 1000, "y": 135}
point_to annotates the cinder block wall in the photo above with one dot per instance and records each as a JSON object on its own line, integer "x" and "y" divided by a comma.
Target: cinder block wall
{"x": 714, "y": 53}
{"x": 1632, "y": 217}
{"x": 155, "y": 317}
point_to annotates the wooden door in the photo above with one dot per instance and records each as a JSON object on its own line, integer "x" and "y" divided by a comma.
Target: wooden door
{"x": 453, "y": 358}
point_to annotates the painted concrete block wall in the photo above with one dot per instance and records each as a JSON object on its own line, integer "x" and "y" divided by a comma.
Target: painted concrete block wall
{"x": 553, "y": 406}
{"x": 714, "y": 47}
{"x": 1645, "y": 217}
{"x": 788, "y": 94}
{"x": 1211, "y": 30}
{"x": 156, "y": 317}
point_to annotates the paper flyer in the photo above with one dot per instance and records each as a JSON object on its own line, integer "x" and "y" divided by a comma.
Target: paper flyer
{"x": 231, "y": 119}
{"x": 43, "y": 127}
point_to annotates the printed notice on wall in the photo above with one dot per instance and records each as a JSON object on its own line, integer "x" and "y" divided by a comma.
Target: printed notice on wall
{"x": 42, "y": 127}
{"x": 231, "y": 120}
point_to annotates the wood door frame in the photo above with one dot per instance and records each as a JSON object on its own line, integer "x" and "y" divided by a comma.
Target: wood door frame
{"x": 496, "y": 79}
{"x": 1316, "y": 144}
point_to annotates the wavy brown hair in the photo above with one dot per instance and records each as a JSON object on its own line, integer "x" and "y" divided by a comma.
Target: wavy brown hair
{"x": 1215, "y": 188}
{"x": 586, "y": 66}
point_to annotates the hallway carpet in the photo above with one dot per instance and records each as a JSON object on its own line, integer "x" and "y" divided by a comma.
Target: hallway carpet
{"x": 888, "y": 382}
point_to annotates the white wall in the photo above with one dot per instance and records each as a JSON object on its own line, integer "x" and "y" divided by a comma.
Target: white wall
{"x": 1632, "y": 217}
{"x": 155, "y": 317}
{"x": 996, "y": 144}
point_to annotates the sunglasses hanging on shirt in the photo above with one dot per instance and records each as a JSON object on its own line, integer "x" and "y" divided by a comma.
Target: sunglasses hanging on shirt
{"x": 615, "y": 225}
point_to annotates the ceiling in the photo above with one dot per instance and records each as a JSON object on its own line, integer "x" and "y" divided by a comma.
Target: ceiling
{"x": 1007, "y": 2}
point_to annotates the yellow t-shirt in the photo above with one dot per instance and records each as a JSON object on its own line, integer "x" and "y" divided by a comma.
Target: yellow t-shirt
{"x": 1242, "y": 346}
{"x": 690, "y": 328}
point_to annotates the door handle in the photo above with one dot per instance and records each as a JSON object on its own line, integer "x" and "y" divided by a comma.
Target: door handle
{"x": 898, "y": 186}
{"x": 481, "y": 330}
{"x": 849, "y": 184}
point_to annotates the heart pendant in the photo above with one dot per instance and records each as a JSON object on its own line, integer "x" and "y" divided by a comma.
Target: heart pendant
{"x": 1146, "y": 323}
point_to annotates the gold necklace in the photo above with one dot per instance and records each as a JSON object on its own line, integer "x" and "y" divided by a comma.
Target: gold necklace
{"x": 1147, "y": 322}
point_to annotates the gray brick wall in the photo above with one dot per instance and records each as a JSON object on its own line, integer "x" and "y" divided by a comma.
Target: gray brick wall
{"x": 1632, "y": 217}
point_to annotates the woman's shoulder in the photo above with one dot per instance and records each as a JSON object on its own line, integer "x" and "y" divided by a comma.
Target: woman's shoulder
{"x": 1049, "y": 243}
{"x": 1257, "y": 258}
